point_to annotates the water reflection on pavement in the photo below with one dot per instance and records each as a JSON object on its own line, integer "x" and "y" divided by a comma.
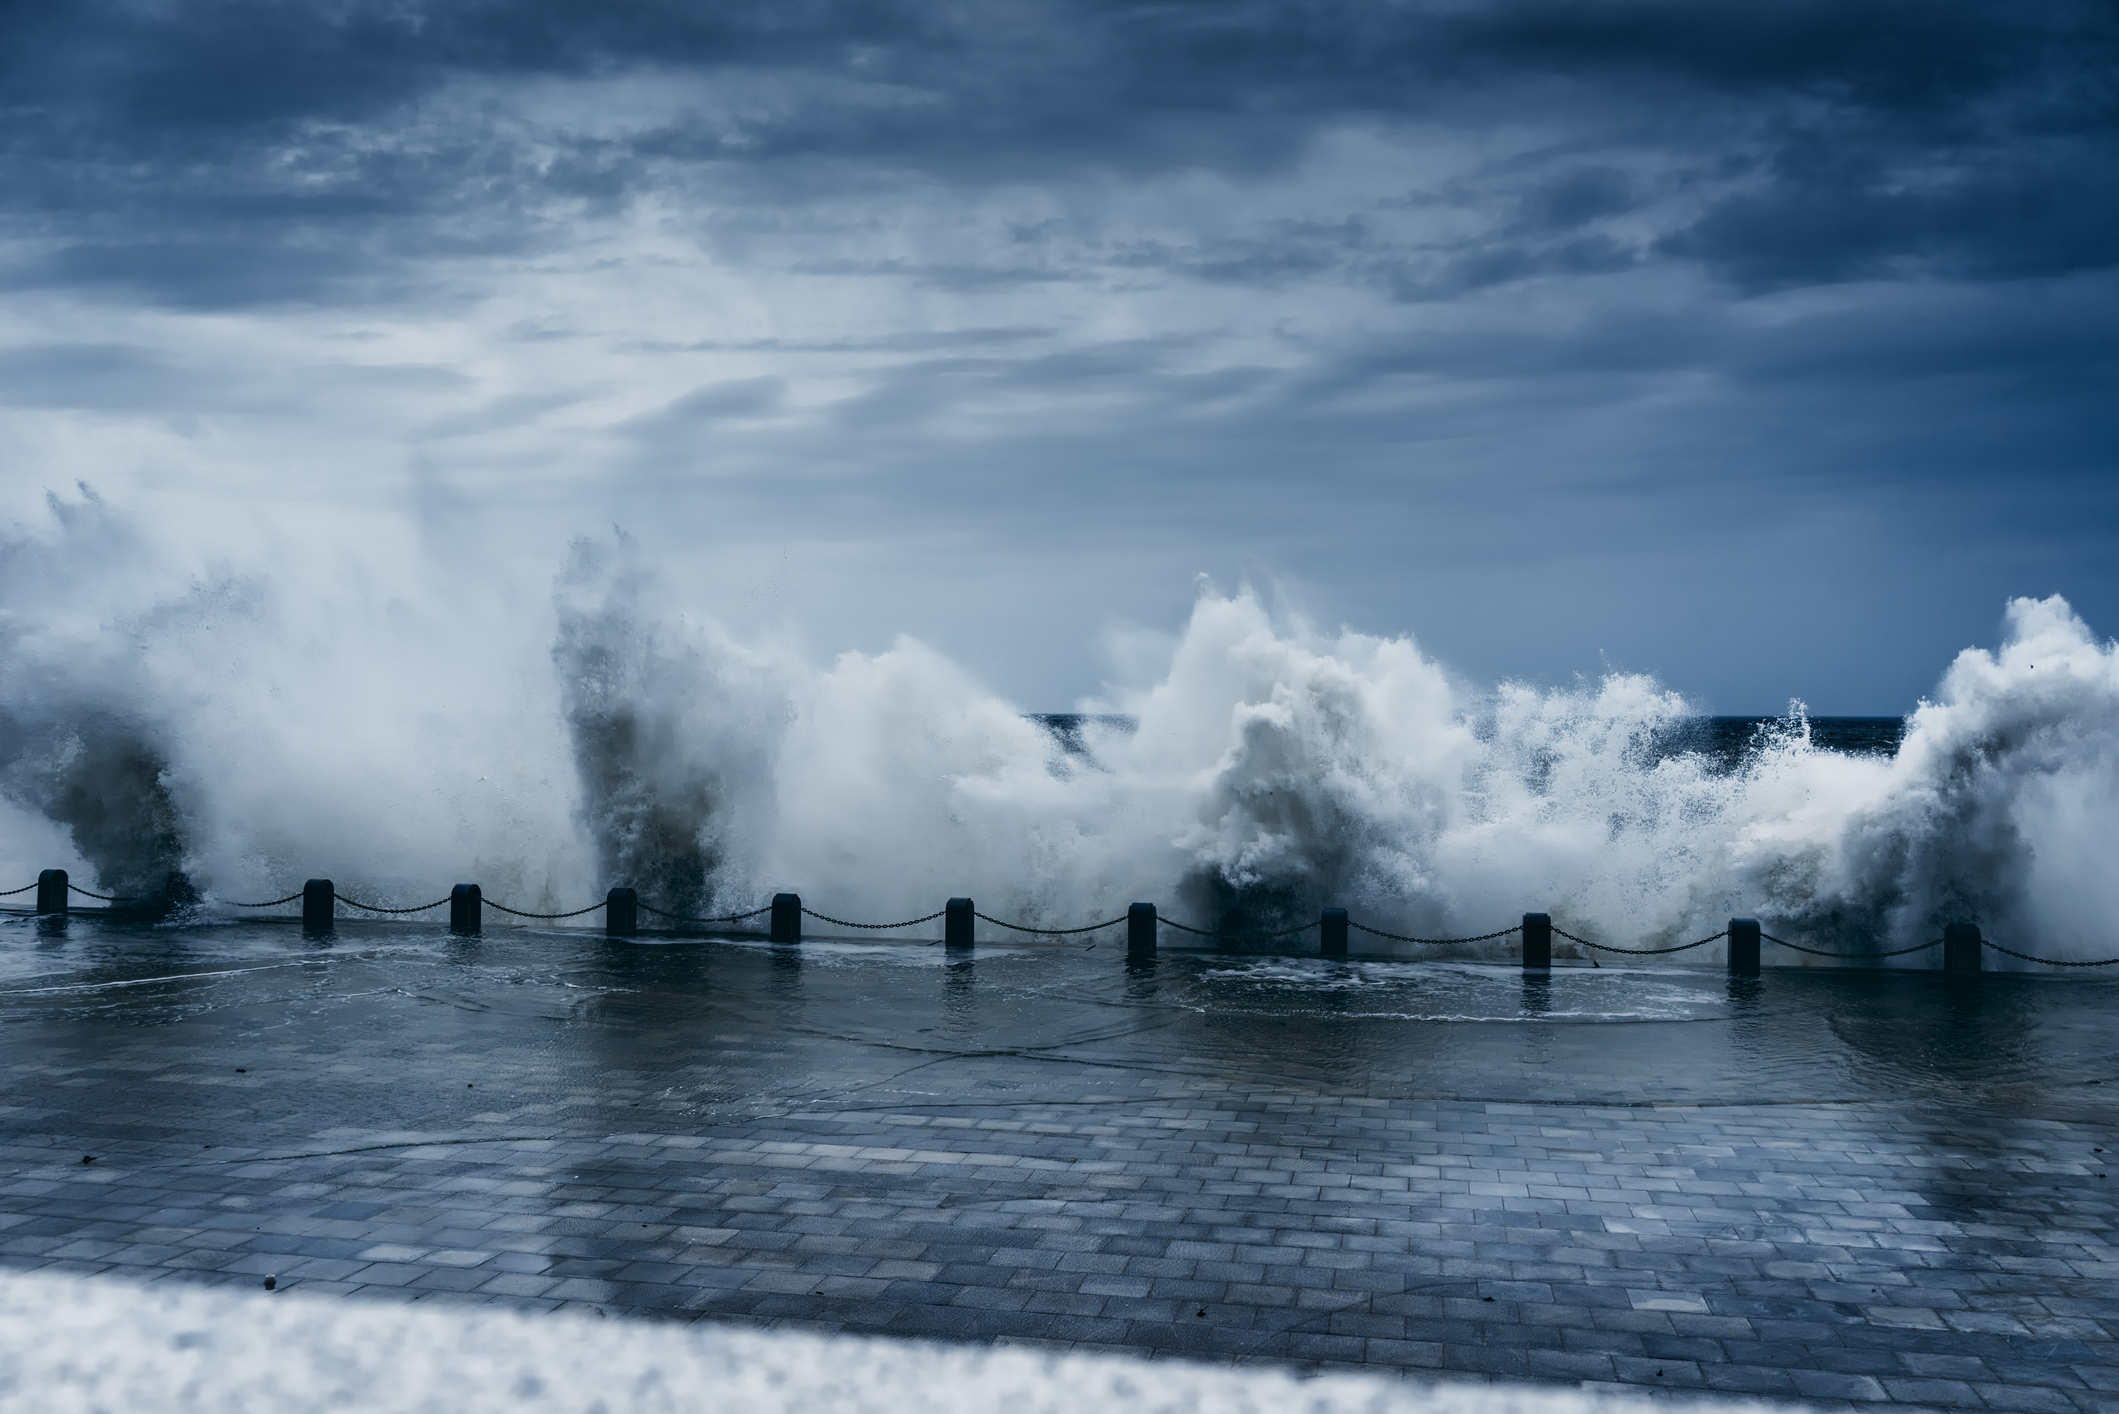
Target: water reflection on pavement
{"x": 402, "y": 1027}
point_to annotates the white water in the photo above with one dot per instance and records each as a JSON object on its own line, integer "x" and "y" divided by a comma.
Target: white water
{"x": 75, "y": 1346}
{"x": 256, "y": 726}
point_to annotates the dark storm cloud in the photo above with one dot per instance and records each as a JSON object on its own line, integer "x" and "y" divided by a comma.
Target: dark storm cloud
{"x": 224, "y": 153}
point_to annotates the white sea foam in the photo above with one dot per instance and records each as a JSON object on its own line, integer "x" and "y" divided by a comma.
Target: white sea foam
{"x": 254, "y": 728}
{"x": 71, "y": 1346}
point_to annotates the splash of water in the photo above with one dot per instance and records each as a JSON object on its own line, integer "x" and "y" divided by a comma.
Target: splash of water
{"x": 248, "y": 733}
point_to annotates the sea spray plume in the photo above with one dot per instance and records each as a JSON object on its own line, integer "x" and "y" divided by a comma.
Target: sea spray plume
{"x": 673, "y": 732}
{"x": 1998, "y": 808}
{"x": 1567, "y": 808}
{"x": 253, "y": 725}
{"x": 104, "y": 780}
{"x": 75, "y": 743}
{"x": 1318, "y": 770}
{"x": 903, "y": 782}
{"x": 1269, "y": 772}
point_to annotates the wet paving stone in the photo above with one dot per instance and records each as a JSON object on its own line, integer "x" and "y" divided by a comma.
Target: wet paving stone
{"x": 1834, "y": 1189}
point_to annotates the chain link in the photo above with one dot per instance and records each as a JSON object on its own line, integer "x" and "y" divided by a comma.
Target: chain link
{"x": 1238, "y": 937}
{"x": 12, "y": 892}
{"x": 1113, "y": 922}
{"x": 520, "y": 914}
{"x": 840, "y": 922}
{"x": 1051, "y": 932}
{"x": 1433, "y": 942}
{"x": 371, "y": 908}
{"x": 2048, "y": 961}
{"x": 726, "y": 918}
{"x": 1638, "y": 952}
{"x": 1855, "y": 956}
{"x": 272, "y": 903}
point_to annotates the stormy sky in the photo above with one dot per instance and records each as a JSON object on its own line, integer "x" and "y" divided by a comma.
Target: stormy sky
{"x": 1768, "y": 347}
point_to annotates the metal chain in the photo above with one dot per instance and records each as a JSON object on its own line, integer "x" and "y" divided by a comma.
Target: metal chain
{"x": 726, "y": 918}
{"x": 1819, "y": 952}
{"x": 371, "y": 908}
{"x": 1109, "y": 923}
{"x": 1054, "y": 932}
{"x": 1238, "y": 937}
{"x": 12, "y": 892}
{"x": 1435, "y": 942}
{"x": 1638, "y": 952}
{"x": 2048, "y": 961}
{"x": 520, "y": 914}
{"x": 822, "y": 918}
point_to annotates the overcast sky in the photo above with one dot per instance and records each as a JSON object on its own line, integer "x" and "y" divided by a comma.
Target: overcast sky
{"x": 1767, "y": 347}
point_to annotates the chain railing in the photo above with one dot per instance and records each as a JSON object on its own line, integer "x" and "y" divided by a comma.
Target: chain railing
{"x": 102, "y": 898}
{"x": 1435, "y": 942}
{"x": 541, "y": 917}
{"x": 681, "y": 918}
{"x": 870, "y": 927}
{"x": 371, "y": 908}
{"x": 1559, "y": 932}
{"x": 1236, "y": 937}
{"x": 2048, "y": 961}
{"x": 1860, "y": 956}
{"x": 1035, "y": 930}
{"x": 1050, "y": 932}
{"x": 268, "y": 903}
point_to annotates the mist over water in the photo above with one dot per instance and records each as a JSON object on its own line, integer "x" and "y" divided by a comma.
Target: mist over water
{"x": 247, "y": 729}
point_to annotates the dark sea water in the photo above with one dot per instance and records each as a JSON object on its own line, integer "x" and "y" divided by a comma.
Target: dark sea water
{"x": 1724, "y": 740}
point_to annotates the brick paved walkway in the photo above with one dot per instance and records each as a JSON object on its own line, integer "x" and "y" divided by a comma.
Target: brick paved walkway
{"x": 1134, "y": 1189}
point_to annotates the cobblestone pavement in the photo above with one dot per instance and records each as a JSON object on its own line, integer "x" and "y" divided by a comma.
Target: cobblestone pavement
{"x": 836, "y": 1143}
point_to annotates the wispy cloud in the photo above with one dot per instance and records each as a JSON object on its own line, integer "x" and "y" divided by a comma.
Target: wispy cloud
{"x": 1350, "y": 293}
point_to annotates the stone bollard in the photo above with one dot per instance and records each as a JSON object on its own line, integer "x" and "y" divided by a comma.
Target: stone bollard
{"x": 319, "y": 905}
{"x": 787, "y": 918}
{"x": 51, "y": 891}
{"x": 467, "y": 907}
{"x": 621, "y": 913}
{"x": 1743, "y": 947}
{"x": 1537, "y": 942}
{"x": 1331, "y": 933}
{"x": 956, "y": 925}
{"x": 1960, "y": 950}
{"x": 1140, "y": 930}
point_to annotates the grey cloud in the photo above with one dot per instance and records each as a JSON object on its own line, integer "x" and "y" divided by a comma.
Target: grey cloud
{"x": 1876, "y": 136}
{"x": 2006, "y": 212}
{"x": 514, "y": 410}
{"x": 716, "y": 402}
{"x": 118, "y": 376}
{"x": 912, "y": 341}
{"x": 1574, "y": 198}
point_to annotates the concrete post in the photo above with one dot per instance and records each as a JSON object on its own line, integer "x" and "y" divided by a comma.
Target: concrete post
{"x": 1537, "y": 942}
{"x": 51, "y": 891}
{"x": 621, "y": 913}
{"x": 319, "y": 905}
{"x": 787, "y": 918}
{"x": 1961, "y": 950}
{"x": 956, "y": 924}
{"x": 467, "y": 907}
{"x": 1331, "y": 929}
{"x": 1140, "y": 930}
{"x": 1743, "y": 947}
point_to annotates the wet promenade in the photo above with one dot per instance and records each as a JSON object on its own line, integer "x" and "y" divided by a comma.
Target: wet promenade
{"x": 1826, "y": 1188}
